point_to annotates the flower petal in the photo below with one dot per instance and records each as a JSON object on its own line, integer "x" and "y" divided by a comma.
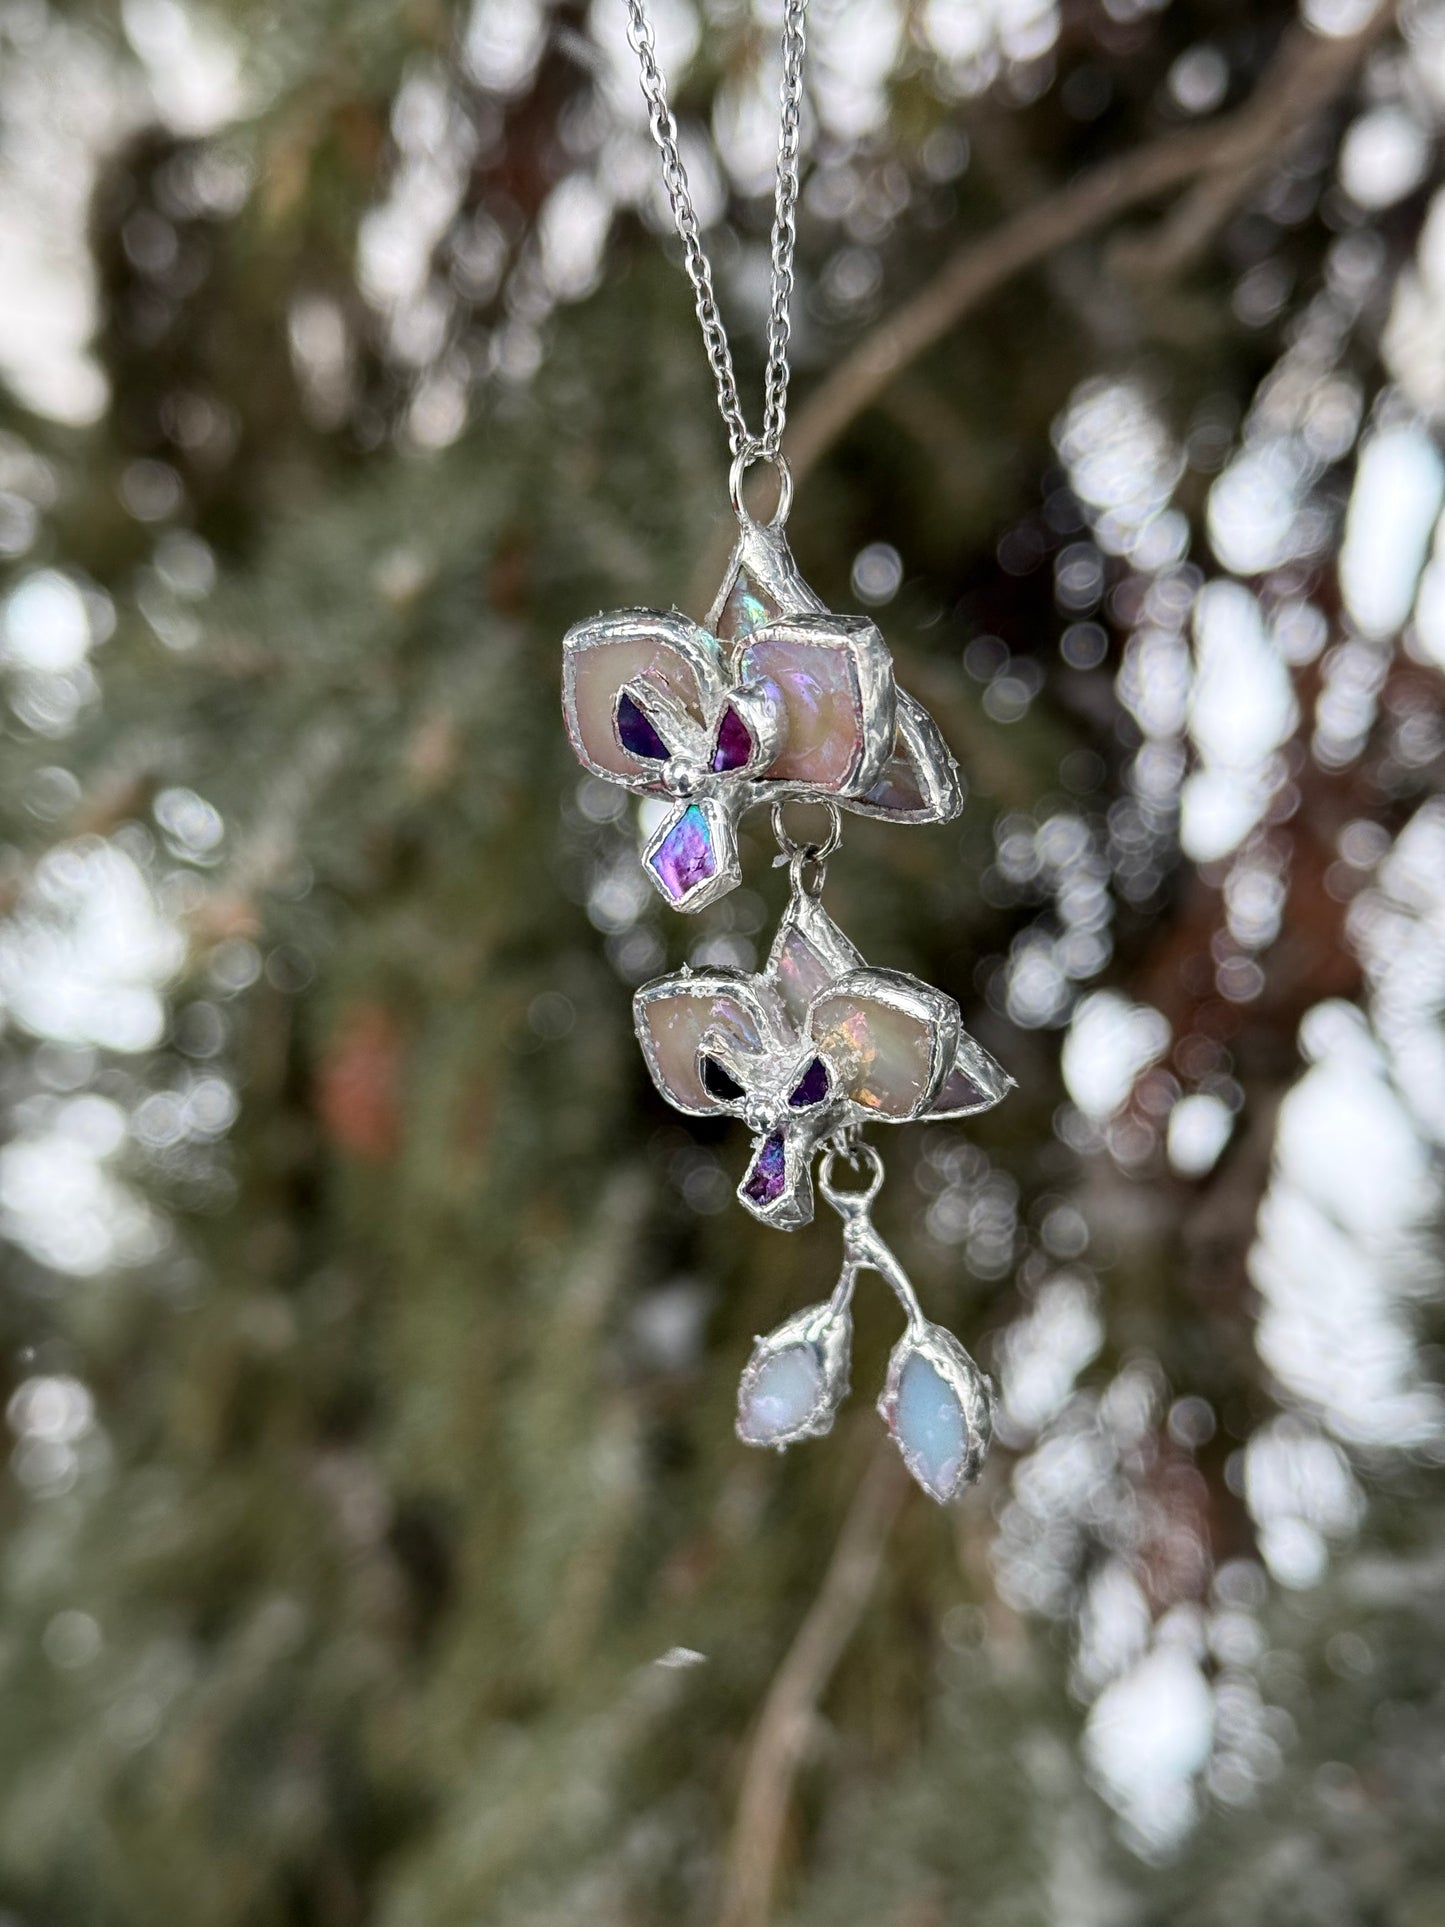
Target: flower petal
{"x": 919, "y": 782}
{"x": 809, "y": 953}
{"x": 682, "y": 1018}
{"x": 777, "y": 1186}
{"x": 973, "y": 1082}
{"x": 732, "y": 744}
{"x": 834, "y": 677}
{"x": 768, "y": 1172}
{"x": 666, "y": 652}
{"x": 812, "y": 1087}
{"x": 636, "y": 731}
{"x": 888, "y": 1038}
{"x": 692, "y": 856}
{"x": 762, "y": 583}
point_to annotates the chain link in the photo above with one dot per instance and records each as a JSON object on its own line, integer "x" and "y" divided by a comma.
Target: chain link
{"x": 663, "y": 124}
{"x": 785, "y": 226}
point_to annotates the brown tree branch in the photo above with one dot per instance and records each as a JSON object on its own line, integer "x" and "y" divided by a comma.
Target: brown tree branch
{"x": 1306, "y": 73}
{"x": 781, "y": 1738}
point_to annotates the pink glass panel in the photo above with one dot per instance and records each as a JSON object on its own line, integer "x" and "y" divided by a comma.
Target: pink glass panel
{"x": 597, "y": 676}
{"x": 677, "y": 1026}
{"x": 747, "y": 608}
{"x": 882, "y": 1056}
{"x": 818, "y": 684}
{"x": 800, "y": 973}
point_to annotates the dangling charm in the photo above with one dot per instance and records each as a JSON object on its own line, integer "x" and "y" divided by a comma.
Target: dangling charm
{"x": 937, "y": 1404}
{"x": 797, "y": 1376}
{"x": 813, "y": 1045}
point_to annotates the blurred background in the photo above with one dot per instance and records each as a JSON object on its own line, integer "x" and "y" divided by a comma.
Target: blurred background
{"x": 376, "y": 1546}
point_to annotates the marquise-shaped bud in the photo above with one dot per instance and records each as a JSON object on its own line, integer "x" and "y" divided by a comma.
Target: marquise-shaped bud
{"x": 796, "y": 1379}
{"x": 938, "y": 1406}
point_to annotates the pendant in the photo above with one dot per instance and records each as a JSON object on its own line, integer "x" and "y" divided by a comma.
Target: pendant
{"x": 937, "y": 1404}
{"x": 774, "y": 698}
{"x": 814, "y": 1046}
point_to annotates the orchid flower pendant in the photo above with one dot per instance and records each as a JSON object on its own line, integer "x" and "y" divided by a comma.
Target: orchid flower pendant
{"x": 773, "y": 698}
{"x": 815, "y": 1043}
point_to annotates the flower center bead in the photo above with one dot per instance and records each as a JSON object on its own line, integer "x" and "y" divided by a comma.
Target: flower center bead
{"x": 681, "y": 776}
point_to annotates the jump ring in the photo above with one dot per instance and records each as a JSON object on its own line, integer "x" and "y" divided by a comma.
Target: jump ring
{"x": 851, "y": 1202}
{"x": 750, "y": 452}
{"x": 819, "y": 852}
{"x": 807, "y": 873}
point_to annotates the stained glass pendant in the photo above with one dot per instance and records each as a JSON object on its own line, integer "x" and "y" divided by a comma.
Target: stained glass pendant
{"x": 775, "y": 699}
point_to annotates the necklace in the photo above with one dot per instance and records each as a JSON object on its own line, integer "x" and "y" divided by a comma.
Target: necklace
{"x": 774, "y": 699}
{"x": 745, "y": 446}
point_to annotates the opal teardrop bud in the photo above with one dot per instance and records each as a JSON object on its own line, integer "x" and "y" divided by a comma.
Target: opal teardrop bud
{"x": 796, "y": 1379}
{"x": 939, "y": 1408}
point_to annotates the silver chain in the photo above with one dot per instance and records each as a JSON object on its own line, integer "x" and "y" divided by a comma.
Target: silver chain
{"x": 741, "y": 440}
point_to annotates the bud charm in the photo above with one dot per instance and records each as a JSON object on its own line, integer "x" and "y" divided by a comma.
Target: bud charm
{"x": 938, "y": 1406}
{"x": 796, "y": 1378}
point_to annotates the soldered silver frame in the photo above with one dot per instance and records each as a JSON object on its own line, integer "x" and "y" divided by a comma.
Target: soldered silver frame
{"x": 828, "y": 1330}
{"x": 972, "y": 1387}
{"x": 769, "y": 1076}
{"x": 886, "y": 720}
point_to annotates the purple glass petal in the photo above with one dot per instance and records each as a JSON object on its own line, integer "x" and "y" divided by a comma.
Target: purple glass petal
{"x": 636, "y": 734}
{"x": 734, "y": 742}
{"x": 719, "y": 1082}
{"x": 769, "y": 1171}
{"x": 812, "y": 1087}
{"x": 959, "y": 1092}
{"x": 685, "y": 857}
